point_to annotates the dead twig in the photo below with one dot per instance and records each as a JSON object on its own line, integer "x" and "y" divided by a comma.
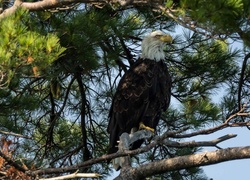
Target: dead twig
{"x": 74, "y": 175}
{"x": 211, "y": 143}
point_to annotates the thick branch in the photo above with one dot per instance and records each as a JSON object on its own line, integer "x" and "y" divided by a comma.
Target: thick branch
{"x": 183, "y": 162}
{"x": 42, "y": 5}
{"x": 50, "y": 4}
{"x": 83, "y": 102}
{"x": 241, "y": 80}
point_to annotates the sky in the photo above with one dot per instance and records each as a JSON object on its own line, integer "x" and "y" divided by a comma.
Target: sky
{"x": 230, "y": 170}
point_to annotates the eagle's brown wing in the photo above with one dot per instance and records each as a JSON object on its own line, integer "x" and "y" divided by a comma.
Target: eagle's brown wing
{"x": 142, "y": 94}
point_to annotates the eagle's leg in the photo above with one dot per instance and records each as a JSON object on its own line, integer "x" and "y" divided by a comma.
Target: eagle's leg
{"x": 142, "y": 126}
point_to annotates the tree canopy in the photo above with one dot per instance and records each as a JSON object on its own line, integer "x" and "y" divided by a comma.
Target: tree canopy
{"x": 60, "y": 63}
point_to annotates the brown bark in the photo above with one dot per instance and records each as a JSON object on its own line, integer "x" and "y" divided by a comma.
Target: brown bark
{"x": 182, "y": 162}
{"x": 52, "y": 4}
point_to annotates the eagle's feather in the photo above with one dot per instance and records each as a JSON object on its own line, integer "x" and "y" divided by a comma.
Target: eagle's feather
{"x": 143, "y": 93}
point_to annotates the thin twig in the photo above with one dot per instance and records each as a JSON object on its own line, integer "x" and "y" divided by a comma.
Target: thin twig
{"x": 214, "y": 142}
{"x": 74, "y": 175}
{"x": 15, "y": 134}
{"x": 221, "y": 126}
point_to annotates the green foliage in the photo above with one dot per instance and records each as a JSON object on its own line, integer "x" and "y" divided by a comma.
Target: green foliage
{"x": 200, "y": 112}
{"x": 169, "y": 3}
{"x": 219, "y": 15}
{"x": 66, "y": 134}
{"x": 21, "y": 49}
{"x": 93, "y": 34}
{"x": 201, "y": 67}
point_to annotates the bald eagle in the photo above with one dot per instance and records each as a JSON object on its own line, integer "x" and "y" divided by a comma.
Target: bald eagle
{"x": 143, "y": 92}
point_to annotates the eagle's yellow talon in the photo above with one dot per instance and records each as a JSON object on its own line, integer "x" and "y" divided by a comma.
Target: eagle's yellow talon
{"x": 142, "y": 126}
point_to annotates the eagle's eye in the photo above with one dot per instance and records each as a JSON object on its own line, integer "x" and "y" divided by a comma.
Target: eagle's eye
{"x": 158, "y": 36}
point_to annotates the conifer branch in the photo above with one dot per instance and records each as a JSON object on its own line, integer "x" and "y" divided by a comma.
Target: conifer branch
{"x": 224, "y": 125}
{"x": 182, "y": 162}
{"x": 57, "y": 4}
{"x": 241, "y": 80}
{"x": 155, "y": 141}
{"x": 74, "y": 175}
{"x": 211, "y": 143}
{"x": 15, "y": 134}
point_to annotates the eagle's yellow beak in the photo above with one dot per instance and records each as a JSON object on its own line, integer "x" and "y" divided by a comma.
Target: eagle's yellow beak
{"x": 166, "y": 38}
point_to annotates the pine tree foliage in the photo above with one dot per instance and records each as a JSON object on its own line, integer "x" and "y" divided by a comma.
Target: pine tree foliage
{"x": 59, "y": 71}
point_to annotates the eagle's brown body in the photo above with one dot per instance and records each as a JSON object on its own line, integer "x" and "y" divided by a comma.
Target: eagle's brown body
{"x": 142, "y": 95}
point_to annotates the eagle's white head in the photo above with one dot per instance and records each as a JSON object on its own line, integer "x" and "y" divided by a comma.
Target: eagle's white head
{"x": 153, "y": 44}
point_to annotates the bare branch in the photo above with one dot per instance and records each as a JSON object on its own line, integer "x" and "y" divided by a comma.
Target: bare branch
{"x": 14, "y": 134}
{"x": 214, "y": 142}
{"x": 241, "y": 112}
{"x": 53, "y": 4}
{"x": 183, "y": 162}
{"x": 39, "y": 5}
{"x": 74, "y": 175}
{"x": 188, "y": 25}
{"x": 222, "y": 126}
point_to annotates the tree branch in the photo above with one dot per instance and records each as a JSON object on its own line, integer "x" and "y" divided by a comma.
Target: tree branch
{"x": 183, "y": 162}
{"x": 214, "y": 142}
{"x": 183, "y": 23}
{"x": 11, "y": 162}
{"x": 221, "y": 126}
{"x": 15, "y": 134}
{"x": 126, "y": 140}
{"x": 241, "y": 80}
{"x": 83, "y": 101}
{"x": 157, "y": 140}
{"x": 51, "y": 4}
{"x": 74, "y": 175}
{"x": 105, "y": 157}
